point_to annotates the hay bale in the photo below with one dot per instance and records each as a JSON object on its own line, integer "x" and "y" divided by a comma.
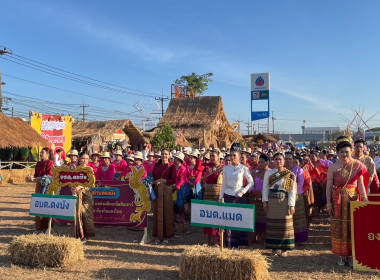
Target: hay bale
{"x": 41, "y": 250}
{"x": 201, "y": 262}
{"x": 16, "y": 176}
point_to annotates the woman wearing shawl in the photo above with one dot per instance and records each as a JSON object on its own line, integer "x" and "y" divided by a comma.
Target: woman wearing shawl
{"x": 84, "y": 220}
{"x": 346, "y": 181}
{"x": 279, "y": 200}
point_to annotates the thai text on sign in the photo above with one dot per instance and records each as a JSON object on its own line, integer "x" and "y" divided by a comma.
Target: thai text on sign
{"x": 232, "y": 216}
{"x": 53, "y": 206}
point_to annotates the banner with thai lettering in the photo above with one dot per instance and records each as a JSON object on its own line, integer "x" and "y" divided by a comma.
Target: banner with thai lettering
{"x": 365, "y": 235}
{"x": 53, "y": 206}
{"x": 116, "y": 203}
{"x": 232, "y": 216}
{"x": 54, "y": 128}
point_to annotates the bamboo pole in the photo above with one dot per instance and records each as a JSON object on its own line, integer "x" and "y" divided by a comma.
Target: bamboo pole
{"x": 221, "y": 235}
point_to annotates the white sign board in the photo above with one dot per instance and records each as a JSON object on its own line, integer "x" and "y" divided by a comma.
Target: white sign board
{"x": 260, "y": 82}
{"x": 53, "y": 206}
{"x": 232, "y": 216}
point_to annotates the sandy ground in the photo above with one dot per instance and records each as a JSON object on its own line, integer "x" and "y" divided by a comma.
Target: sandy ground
{"x": 114, "y": 255}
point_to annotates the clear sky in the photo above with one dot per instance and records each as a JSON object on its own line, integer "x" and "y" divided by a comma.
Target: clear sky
{"x": 323, "y": 56}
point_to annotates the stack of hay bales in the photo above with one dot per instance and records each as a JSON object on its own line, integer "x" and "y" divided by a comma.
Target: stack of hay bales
{"x": 202, "y": 262}
{"x": 16, "y": 176}
{"x": 41, "y": 250}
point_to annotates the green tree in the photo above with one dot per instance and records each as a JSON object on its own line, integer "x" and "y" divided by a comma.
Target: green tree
{"x": 164, "y": 138}
{"x": 198, "y": 83}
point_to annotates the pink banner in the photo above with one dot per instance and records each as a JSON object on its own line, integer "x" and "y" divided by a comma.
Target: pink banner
{"x": 115, "y": 204}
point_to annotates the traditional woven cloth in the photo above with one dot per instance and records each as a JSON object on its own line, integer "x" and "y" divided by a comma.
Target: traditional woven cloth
{"x": 279, "y": 232}
{"x": 42, "y": 223}
{"x": 299, "y": 220}
{"x": 260, "y": 215}
{"x": 84, "y": 220}
{"x": 212, "y": 192}
{"x": 163, "y": 214}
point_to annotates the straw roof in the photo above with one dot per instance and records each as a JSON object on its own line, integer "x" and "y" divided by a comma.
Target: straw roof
{"x": 106, "y": 129}
{"x": 16, "y": 133}
{"x": 198, "y": 116}
{"x": 261, "y": 137}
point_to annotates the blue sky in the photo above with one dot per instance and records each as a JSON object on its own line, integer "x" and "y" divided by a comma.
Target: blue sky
{"x": 323, "y": 56}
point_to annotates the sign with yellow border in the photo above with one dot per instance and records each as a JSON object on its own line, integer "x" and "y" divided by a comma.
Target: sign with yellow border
{"x": 365, "y": 235}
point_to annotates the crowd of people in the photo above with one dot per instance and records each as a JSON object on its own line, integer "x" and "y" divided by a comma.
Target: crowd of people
{"x": 288, "y": 189}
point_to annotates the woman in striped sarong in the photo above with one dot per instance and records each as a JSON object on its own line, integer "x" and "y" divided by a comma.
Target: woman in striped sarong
{"x": 254, "y": 196}
{"x": 279, "y": 199}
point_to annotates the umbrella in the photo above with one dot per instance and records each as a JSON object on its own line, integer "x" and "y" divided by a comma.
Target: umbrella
{"x": 300, "y": 146}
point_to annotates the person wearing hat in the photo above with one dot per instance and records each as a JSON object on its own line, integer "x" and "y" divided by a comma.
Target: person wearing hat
{"x": 157, "y": 156}
{"x": 95, "y": 163}
{"x": 183, "y": 191}
{"x": 194, "y": 176}
{"x": 119, "y": 164}
{"x": 212, "y": 177}
{"x": 138, "y": 158}
{"x": 164, "y": 176}
{"x": 73, "y": 155}
{"x": 149, "y": 164}
{"x": 107, "y": 172}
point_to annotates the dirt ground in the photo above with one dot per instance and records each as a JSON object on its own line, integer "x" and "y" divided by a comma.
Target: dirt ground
{"x": 114, "y": 255}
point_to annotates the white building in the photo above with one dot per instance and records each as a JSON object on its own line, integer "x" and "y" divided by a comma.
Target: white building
{"x": 320, "y": 130}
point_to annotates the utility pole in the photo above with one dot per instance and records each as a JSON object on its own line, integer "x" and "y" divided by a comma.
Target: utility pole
{"x": 12, "y": 112}
{"x": 3, "y": 51}
{"x": 273, "y": 118}
{"x": 162, "y": 99}
{"x": 84, "y": 112}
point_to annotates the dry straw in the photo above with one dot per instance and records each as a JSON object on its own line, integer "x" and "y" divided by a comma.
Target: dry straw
{"x": 202, "y": 262}
{"x": 41, "y": 250}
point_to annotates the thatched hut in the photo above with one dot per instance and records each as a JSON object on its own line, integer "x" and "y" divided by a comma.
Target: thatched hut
{"x": 16, "y": 133}
{"x": 17, "y": 136}
{"x": 123, "y": 131}
{"x": 200, "y": 120}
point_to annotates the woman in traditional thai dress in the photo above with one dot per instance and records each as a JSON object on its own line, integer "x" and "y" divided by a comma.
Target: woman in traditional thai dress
{"x": 43, "y": 167}
{"x": 279, "y": 200}
{"x": 149, "y": 164}
{"x": 233, "y": 191}
{"x": 346, "y": 181}
{"x": 119, "y": 164}
{"x": 107, "y": 172}
{"x": 254, "y": 196}
{"x": 299, "y": 218}
{"x": 163, "y": 214}
{"x": 84, "y": 219}
{"x": 95, "y": 163}
{"x": 212, "y": 171}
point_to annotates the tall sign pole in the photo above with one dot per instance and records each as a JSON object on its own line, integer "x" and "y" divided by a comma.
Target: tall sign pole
{"x": 260, "y": 86}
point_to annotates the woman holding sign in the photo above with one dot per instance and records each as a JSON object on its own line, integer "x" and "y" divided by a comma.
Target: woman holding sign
{"x": 234, "y": 190}
{"x": 349, "y": 178}
{"x": 279, "y": 200}
{"x": 43, "y": 167}
{"x": 84, "y": 220}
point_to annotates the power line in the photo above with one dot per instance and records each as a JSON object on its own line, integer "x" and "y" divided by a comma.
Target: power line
{"x": 64, "y": 76}
{"x": 82, "y": 75}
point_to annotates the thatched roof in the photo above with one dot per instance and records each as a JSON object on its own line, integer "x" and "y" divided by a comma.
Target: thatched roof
{"x": 16, "y": 133}
{"x": 105, "y": 129}
{"x": 195, "y": 116}
{"x": 261, "y": 136}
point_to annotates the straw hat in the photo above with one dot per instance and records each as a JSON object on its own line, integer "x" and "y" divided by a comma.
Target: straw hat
{"x": 106, "y": 155}
{"x": 180, "y": 156}
{"x": 173, "y": 152}
{"x": 331, "y": 152}
{"x": 207, "y": 156}
{"x": 248, "y": 150}
{"x": 138, "y": 155}
{"x": 203, "y": 150}
{"x": 151, "y": 154}
{"x": 194, "y": 154}
{"x": 118, "y": 153}
{"x": 73, "y": 153}
{"x": 95, "y": 153}
{"x": 223, "y": 149}
{"x": 131, "y": 157}
{"x": 196, "y": 151}
{"x": 158, "y": 154}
